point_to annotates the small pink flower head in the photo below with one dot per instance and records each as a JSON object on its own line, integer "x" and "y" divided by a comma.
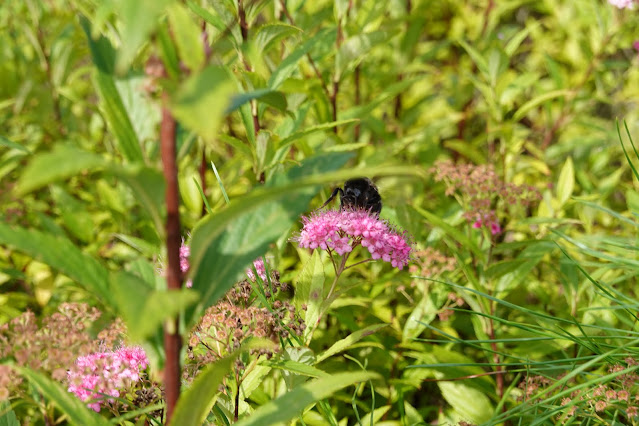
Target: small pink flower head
{"x": 260, "y": 268}
{"x": 185, "y": 252}
{"x": 622, "y": 4}
{"x": 105, "y": 373}
{"x": 342, "y": 230}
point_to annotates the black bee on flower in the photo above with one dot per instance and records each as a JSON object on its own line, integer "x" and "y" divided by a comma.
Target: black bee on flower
{"x": 358, "y": 193}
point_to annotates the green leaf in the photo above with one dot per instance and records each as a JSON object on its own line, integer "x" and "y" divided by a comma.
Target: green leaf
{"x": 10, "y": 144}
{"x": 143, "y": 308}
{"x": 272, "y": 97}
{"x": 60, "y": 254}
{"x": 310, "y": 289}
{"x": 63, "y": 162}
{"x": 566, "y": 183}
{"x": 200, "y": 102}
{"x": 457, "y": 235}
{"x": 521, "y": 112}
{"x": 296, "y": 367}
{"x": 74, "y": 214}
{"x": 214, "y": 20}
{"x": 148, "y": 186}
{"x": 195, "y": 404}
{"x": 102, "y": 52}
{"x": 476, "y": 56}
{"x": 187, "y": 37}
{"x": 76, "y": 410}
{"x": 7, "y": 415}
{"x": 469, "y": 402}
{"x": 286, "y": 68}
{"x": 353, "y": 50}
{"x": 139, "y": 20}
{"x": 270, "y": 34}
{"x": 223, "y": 245}
{"x": 347, "y": 342}
{"x": 117, "y": 117}
{"x": 425, "y": 311}
{"x": 291, "y": 404}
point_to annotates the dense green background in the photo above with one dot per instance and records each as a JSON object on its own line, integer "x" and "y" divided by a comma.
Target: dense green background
{"x": 290, "y": 98}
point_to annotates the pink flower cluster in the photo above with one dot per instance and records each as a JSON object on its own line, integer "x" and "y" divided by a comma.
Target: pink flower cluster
{"x": 622, "y": 4}
{"x": 342, "y": 230}
{"x": 105, "y": 373}
{"x": 259, "y": 267}
{"x": 489, "y": 220}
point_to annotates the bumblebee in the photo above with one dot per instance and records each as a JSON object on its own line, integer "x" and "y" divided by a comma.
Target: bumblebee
{"x": 359, "y": 193}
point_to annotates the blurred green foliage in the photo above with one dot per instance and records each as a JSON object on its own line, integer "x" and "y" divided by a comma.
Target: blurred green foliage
{"x": 289, "y": 98}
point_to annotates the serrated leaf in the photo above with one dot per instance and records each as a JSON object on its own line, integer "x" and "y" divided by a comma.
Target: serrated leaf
{"x": 187, "y": 37}
{"x": 347, "y": 342}
{"x": 76, "y": 410}
{"x": 62, "y": 162}
{"x": 566, "y": 182}
{"x": 200, "y": 102}
{"x": 290, "y": 405}
{"x": 310, "y": 290}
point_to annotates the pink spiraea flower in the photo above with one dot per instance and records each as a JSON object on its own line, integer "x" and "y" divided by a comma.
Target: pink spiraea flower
{"x": 488, "y": 220}
{"x": 622, "y": 4}
{"x": 105, "y": 373}
{"x": 259, "y": 267}
{"x": 342, "y": 230}
{"x": 185, "y": 252}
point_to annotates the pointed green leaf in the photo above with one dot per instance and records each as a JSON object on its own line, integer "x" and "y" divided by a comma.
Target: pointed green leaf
{"x": 566, "y": 183}
{"x": 523, "y": 110}
{"x": 289, "y": 64}
{"x": 62, "y": 162}
{"x": 291, "y": 404}
{"x": 347, "y": 342}
{"x": 310, "y": 289}
{"x": 272, "y": 97}
{"x": 270, "y": 34}
{"x": 117, "y": 117}
{"x": 187, "y": 37}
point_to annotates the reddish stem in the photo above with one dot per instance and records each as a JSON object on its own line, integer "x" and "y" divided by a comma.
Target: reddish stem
{"x": 172, "y": 339}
